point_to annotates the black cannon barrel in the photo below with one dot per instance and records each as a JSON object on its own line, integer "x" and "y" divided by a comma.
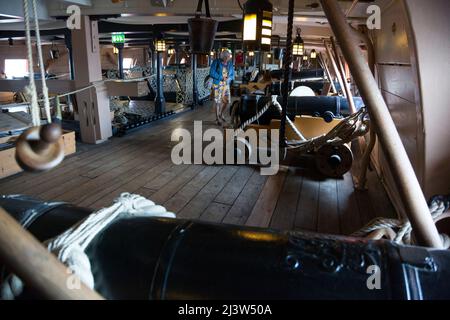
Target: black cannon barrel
{"x": 318, "y": 106}
{"x": 149, "y": 258}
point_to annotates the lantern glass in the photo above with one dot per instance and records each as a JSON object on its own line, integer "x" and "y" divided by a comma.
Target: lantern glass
{"x": 160, "y": 45}
{"x": 313, "y": 54}
{"x": 212, "y": 53}
{"x": 298, "y": 49}
{"x": 269, "y": 55}
{"x": 251, "y": 54}
{"x": 250, "y": 22}
{"x": 305, "y": 58}
{"x": 257, "y": 21}
{"x": 115, "y": 50}
{"x": 267, "y": 23}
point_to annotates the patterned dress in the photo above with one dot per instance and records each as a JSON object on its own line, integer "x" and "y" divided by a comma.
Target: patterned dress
{"x": 222, "y": 90}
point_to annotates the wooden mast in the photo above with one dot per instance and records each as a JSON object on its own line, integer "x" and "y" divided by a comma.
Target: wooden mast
{"x": 38, "y": 268}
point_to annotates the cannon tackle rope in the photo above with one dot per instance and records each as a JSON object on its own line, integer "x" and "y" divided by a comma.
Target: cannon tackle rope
{"x": 30, "y": 90}
{"x": 438, "y": 206}
{"x": 260, "y": 113}
{"x": 70, "y": 246}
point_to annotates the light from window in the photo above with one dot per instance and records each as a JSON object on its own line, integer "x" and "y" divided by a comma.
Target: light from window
{"x": 128, "y": 63}
{"x": 16, "y": 68}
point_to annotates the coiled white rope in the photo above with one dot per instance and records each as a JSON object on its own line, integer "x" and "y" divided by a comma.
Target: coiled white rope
{"x": 70, "y": 246}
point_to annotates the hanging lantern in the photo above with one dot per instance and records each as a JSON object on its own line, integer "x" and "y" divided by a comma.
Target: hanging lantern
{"x": 160, "y": 45}
{"x": 251, "y": 54}
{"x": 298, "y": 48}
{"x": 202, "y": 30}
{"x": 115, "y": 50}
{"x": 257, "y": 33}
{"x": 305, "y": 57}
{"x": 212, "y": 53}
{"x": 269, "y": 56}
{"x": 171, "y": 51}
{"x": 313, "y": 54}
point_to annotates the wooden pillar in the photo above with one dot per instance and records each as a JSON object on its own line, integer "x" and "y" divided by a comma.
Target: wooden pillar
{"x": 348, "y": 93}
{"x": 335, "y": 68}
{"x": 287, "y": 74}
{"x": 160, "y": 101}
{"x": 194, "y": 81}
{"x": 93, "y": 104}
{"x": 120, "y": 60}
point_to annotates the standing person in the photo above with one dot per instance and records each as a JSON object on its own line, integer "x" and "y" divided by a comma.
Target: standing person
{"x": 222, "y": 73}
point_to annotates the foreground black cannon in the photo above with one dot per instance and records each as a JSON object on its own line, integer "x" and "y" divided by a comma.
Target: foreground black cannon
{"x": 147, "y": 258}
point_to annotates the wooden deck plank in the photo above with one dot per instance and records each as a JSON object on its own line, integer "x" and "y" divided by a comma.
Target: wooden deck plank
{"x": 99, "y": 183}
{"x": 234, "y": 187}
{"x": 327, "y": 211}
{"x": 165, "y": 177}
{"x": 350, "y": 220}
{"x": 265, "y": 205}
{"x": 242, "y": 207}
{"x": 198, "y": 204}
{"x": 285, "y": 211}
{"x": 171, "y": 188}
{"x": 182, "y": 197}
{"x": 215, "y": 212}
{"x": 306, "y": 215}
{"x": 130, "y": 182}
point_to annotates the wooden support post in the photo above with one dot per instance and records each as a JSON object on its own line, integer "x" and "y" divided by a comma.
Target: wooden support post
{"x": 194, "y": 81}
{"x": 335, "y": 68}
{"x": 327, "y": 71}
{"x": 38, "y": 268}
{"x": 406, "y": 181}
{"x": 93, "y": 104}
{"x": 120, "y": 60}
{"x": 160, "y": 101}
{"x": 287, "y": 73}
{"x": 348, "y": 92}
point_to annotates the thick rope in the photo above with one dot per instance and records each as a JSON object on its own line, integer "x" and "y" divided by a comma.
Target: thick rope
{"x": 290, "y": 123}
{"x": 348, "y": 129}
{"x": 70, "y": 246}
{"x": 30, "y": 90}
{"x": 438, "y": 206}
{"x": 41, "y": 63}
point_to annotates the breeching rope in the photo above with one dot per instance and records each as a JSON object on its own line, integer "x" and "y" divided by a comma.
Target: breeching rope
{"x": 70, "y": 246}
{"x": 401, "y": 231}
